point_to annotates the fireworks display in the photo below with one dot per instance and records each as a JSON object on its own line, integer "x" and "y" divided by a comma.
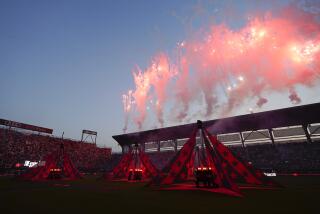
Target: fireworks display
{"x": 272, "y": 53}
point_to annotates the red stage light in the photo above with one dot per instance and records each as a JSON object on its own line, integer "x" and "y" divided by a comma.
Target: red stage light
{"x": 55, "y": 170}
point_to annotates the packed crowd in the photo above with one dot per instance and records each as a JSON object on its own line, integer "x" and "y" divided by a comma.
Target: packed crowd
{"x": 161, "y": 159}
{"x": 17, "y": 147}
{"x": 283, "y": 158}
{"x": 113, "y": 161}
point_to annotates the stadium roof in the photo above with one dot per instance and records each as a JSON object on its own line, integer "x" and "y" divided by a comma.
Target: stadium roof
{"x": 299, "y": 115}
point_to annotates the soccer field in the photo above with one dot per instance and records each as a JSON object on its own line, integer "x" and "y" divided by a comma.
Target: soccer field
{"x": 93, "y": 195}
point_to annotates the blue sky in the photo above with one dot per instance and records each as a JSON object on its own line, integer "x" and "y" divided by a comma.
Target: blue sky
{"x": 65, "y": 64}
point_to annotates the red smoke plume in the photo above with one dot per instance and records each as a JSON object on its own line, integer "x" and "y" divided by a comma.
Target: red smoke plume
{"x": 226, "y": 67}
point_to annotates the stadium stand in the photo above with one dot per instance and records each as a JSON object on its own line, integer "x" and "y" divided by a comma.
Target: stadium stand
{"x": 283, "y": 157}
{"x": 112, "y": 162}
{"x": 17, "y": 147}
{"x": 297, "y": 157}
{"x": 279, "y": 145}
{"x": 283, "y": 140}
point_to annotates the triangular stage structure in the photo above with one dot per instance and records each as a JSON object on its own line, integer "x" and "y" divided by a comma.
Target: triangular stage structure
{"x": 212, "y": 164}
{"x": 57, "y": 165}
{"x": 134, "y": 165}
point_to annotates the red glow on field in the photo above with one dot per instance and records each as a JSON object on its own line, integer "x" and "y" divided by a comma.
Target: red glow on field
{"x": 192, "y": 187}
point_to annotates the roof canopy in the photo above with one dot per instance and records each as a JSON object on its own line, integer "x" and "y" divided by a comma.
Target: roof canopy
{"x": 299, "y": 115}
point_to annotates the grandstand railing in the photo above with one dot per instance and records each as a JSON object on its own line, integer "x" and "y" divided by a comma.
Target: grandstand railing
{"x": 250, "y": 137}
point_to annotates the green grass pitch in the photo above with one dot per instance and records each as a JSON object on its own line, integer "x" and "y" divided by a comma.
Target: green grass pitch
{"x": 93, "y": 195}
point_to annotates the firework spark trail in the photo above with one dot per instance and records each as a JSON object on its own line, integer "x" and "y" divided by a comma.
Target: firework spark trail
{"x": 127, "y": 103}
{"x": 140, "y": 95}
{"x": 269, "y": 54}
{"x": 157, "y": 77}
{"x": 183, "y": 92}
{"x": 161, "y": 72}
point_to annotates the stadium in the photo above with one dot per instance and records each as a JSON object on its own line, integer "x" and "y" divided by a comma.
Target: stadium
{"x": 286, "y": 148}
{"x": 254, "y": 137}
{"x": 177, "y": 106}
